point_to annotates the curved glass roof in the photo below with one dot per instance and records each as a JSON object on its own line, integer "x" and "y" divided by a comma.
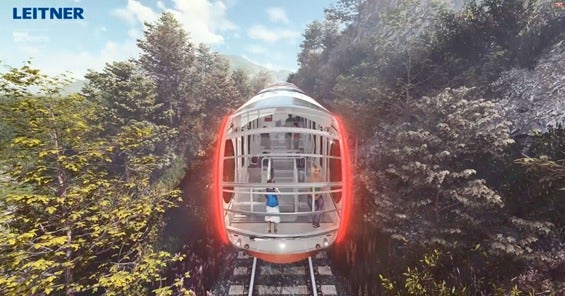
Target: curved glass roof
{"x": 281, "y": 86}
{"x": 282, "y": 96}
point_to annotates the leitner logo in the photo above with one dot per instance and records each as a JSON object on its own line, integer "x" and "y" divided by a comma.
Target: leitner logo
{"x": 50, "y": 13}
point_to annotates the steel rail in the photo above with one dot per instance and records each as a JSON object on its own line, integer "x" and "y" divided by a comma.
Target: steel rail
{"x": 312, "y": 277}
{"x": 252, "y": 280}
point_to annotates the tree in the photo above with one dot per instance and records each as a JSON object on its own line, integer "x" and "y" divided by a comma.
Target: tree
{"x": 547, "y": 158}
{"x": 241, "y": 80}
{"x": 218, "y": 93}
{"x": 126, "y": 97}
{"x": 259, "y": 81}
{"x": 124, "y": 94}
{"x": 345, "y": 11}
{"x": 320, "y": 38}
{"x": 438, "y": 169}
{"x": 167, "y": 57}
{"x": 423, "y": 176}
{"x": 70, "y": 225}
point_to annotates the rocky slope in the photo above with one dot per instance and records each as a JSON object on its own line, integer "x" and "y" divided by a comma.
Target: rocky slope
{"x": 535, "y": 98}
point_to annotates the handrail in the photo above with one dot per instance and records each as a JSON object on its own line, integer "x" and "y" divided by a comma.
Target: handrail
{"x": 251, "y": 198}
{"x": 319, "y": 232}
{"x": 295, "y": 179}
{"x": 303, "y": 111}
{"x": 269, "y": 170}
{"x": 262, "y": 170}
{"x": 227, "y": 211}
{"x": 333, "y": 202}
{"x": 306, "y": 131}
{"x": 283, "y": 155}
{"x": 286, "y": 193}
{"x": 282, "y": 185}
{"x": 297, "y": 214}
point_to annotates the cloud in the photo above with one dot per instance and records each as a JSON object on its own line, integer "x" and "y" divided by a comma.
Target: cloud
{"x": 161, "y": 5}
{"x": 203, "y": 20}
{"x": 77, "y": 63}
{"x": 259, "y": 32}
{"x": 135, "y": 12}
{"x": 277, "y": 14}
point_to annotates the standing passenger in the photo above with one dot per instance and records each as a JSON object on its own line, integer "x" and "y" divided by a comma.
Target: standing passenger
{"x": 272, "y": 206}
{"x": 300, "y": 165}
{"x": 318, "y": 198}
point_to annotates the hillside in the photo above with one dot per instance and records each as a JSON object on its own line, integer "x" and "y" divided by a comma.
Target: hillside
{"x": 239, "y": 62}
{"x": 236, "y": 62}
{"x": 75, "y": 87}
{"x": 534, "y": 97}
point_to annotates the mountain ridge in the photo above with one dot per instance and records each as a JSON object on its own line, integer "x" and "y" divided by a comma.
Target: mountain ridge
{"x": 235, "y": 62}
{"x": 238, "y": 62}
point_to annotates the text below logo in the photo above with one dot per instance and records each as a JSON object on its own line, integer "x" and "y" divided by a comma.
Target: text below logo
{"x": 29, "y": 37}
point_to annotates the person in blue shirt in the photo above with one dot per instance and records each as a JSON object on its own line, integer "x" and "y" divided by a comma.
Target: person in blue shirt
{"x": 272, "y": 206}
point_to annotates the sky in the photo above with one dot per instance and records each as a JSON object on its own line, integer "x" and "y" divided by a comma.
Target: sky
{"x": 266, "y": 32}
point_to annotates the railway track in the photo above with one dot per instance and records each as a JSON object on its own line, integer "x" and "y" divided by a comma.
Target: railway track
{"x": 252, "y": 276}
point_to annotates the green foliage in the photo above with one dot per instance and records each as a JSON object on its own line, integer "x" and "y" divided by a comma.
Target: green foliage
{"x": 398, "y": 51}
{"x": 124, "y": 93}
{"x": 440, "y": 164}
{"x": 538, "y": 206}
{"x": 421, "y": 280}
{"x": 125, "y": 101}
{"x": 490, "y": 36}
{"x": 87, "y": 180}
{"x": 167, "y": 57}
{"x": 426, "y": 190}
{"x": 241, "y": 81}
{"x": 216, "y": 88}
{"x": 319, "y": 40}
{"x": 259, "y": 81}
{"x": 71, "y": 225}
{"x": 548, "y": 171}
{"x": 381, "y": 62}
{"x": 345, "y": 11}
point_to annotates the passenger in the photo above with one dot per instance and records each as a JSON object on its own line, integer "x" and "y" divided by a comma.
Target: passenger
{"x": 254, "y": 170}
{"x": 272, "y": 206}
{"x": 296, "y": 137}
{"x": 300, "y": 120}
{"x": 254, "y": 162}
{"x": 288, "y": 136}
{"x": 300, "y": 164}
{"x": 266, "y": 140}
{"x": 318, "y": 199}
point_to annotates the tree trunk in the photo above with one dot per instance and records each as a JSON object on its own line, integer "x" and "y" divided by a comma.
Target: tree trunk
{"x": 61, "y": 192}
{"x": 68, "y": 269}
